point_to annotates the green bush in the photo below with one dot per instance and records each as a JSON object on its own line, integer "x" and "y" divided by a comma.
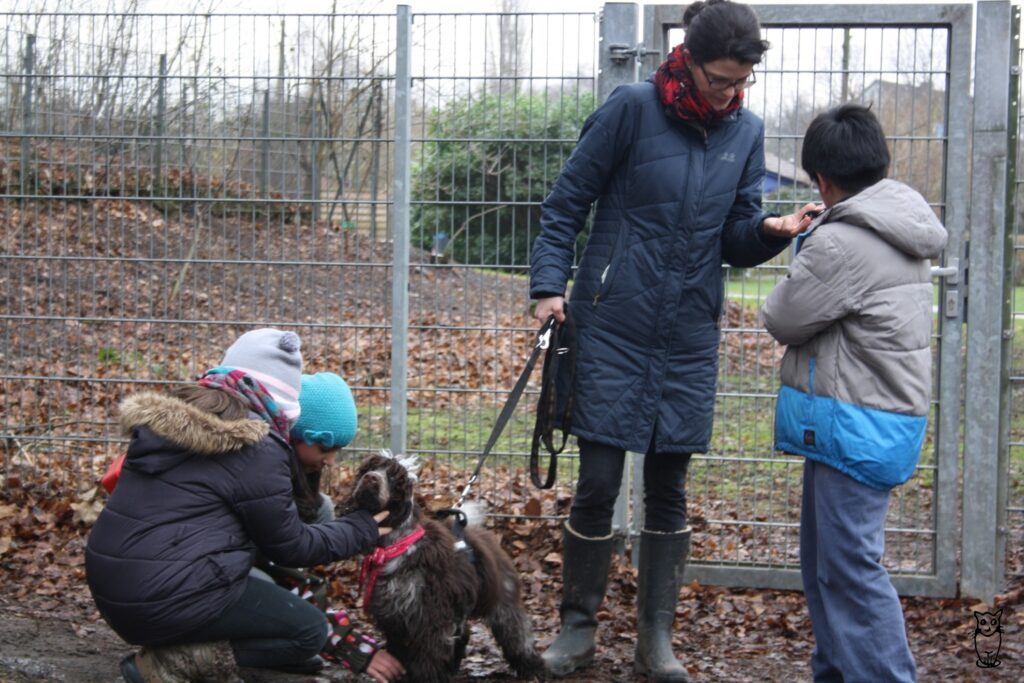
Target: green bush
{"x": 486, "y": 164}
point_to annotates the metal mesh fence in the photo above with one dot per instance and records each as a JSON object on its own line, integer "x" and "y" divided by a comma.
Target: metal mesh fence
{"x": 499, "y": 111}
{"x": 169, "y": 181}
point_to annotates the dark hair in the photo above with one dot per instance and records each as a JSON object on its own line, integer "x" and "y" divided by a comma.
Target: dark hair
{"x": 846, "y": 144}
{"x": 305, "y": 490}
{"x": 220, "y": 403}
{"x": 719, "y": 29}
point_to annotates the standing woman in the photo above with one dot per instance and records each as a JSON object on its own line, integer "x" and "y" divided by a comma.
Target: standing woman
{"x": 675, "y": 166}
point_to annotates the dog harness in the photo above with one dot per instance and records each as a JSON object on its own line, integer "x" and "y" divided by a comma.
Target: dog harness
{"x": 375, "y": 561}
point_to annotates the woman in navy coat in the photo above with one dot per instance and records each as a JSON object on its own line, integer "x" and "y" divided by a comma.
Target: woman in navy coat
{"x": 675, "y": 167}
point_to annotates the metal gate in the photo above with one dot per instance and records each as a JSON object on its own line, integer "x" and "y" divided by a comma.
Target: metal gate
{"x": 905, "y": 61}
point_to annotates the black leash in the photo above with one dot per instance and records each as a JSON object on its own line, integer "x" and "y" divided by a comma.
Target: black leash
{"x": 542, "y": 344}
{"x": 562, "y": 350}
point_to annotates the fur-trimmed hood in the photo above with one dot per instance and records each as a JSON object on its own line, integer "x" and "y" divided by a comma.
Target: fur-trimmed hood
{"x": 188, "y": 427}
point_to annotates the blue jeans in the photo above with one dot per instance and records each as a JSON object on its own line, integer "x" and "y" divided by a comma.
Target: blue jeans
{"x": 601, "y": 476}
{"x": 268, "y": 627}
{"x": 856, "y": 614}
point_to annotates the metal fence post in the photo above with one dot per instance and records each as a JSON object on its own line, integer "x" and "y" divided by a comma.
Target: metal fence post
{"x": 400, "y": 230}
{"x": 951, "y": 321}
{"x": 617, "y": 65}
{"x": 26, "y": 108}
{"x": 985, "y": 425}
{"x": 160, "y": 111}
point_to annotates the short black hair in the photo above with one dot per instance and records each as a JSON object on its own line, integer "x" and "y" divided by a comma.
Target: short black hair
{"x": 846, "y": 144}
{"x": 719, "y": 29}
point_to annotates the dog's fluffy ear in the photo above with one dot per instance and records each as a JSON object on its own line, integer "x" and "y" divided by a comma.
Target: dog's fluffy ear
{"x": 410, "y": 463}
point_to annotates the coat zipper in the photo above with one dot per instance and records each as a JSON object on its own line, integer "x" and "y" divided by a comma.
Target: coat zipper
{"x": 604, "y": 274}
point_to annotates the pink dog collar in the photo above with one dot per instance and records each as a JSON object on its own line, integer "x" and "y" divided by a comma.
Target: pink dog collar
{"x": 376, "y": 560}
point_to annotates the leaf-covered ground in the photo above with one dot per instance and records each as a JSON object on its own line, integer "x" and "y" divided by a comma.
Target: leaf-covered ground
{"x": 50, "y": 630}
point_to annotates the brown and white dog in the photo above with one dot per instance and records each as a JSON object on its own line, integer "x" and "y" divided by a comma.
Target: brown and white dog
{"x": 420, "y": 585}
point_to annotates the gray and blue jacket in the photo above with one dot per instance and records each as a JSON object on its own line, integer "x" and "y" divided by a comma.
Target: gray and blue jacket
{"x": 855, "y": 310}
{"x": 673, "y": 201}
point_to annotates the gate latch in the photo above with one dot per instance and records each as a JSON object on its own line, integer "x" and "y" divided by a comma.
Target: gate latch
{"x": 619, "y": 52}
{"x": 951, "y": 274}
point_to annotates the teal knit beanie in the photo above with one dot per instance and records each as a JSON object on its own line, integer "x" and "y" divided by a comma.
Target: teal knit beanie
{"x": 328, "y": 415}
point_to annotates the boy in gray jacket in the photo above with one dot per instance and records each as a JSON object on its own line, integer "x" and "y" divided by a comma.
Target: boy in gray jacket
{"x": 855, "y": 311}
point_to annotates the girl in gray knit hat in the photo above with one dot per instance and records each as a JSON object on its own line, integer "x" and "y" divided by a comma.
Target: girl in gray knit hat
{"x": 205, "y": 485}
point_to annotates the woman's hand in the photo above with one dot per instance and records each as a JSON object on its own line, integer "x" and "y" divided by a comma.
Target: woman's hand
{"x": 552, "y": 305}
{"x": 792, "y": 225}
{"x": 380, "y": 517}
{"x": 384, "y": 668}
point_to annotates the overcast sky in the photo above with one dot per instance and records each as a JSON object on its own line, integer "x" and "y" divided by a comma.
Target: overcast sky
{"x": 320, "y": 6}
{"x": 491, "y": 5}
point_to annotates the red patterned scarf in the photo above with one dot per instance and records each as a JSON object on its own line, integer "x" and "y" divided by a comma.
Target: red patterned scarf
{"x": 680, "y": 95}
{"x": 249, "y": 390}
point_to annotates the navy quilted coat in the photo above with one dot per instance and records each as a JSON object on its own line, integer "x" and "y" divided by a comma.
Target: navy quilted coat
{"x": 673, "y": 201}
{"x": 197, "y": 496}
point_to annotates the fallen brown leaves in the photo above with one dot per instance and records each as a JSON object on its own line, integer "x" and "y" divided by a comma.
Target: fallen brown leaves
{"x": 719, "y": 631}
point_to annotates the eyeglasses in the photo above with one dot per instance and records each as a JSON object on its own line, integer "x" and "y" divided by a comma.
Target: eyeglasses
{"x": 719, "y": 83}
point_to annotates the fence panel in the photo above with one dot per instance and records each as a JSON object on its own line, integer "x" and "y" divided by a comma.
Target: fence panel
{"x": 168, "y": 181}
{"x": 498, "y": 102}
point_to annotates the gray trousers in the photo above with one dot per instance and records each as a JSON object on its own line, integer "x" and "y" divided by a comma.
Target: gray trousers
{"x": 858, "y": 623}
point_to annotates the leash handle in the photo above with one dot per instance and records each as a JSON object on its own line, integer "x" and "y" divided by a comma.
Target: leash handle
{"x": 564, "y": 349}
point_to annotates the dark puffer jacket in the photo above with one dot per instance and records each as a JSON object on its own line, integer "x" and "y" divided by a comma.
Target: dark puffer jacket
{"x": 673, "y": 202}
{"x": 196, "y": 497}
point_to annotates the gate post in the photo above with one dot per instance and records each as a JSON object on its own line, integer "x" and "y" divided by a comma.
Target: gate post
{"x": 617, "y": 48}
{"x": 617, "y": 65}
{"x": 400, "y": 231}
{"x": 989, "y": 325}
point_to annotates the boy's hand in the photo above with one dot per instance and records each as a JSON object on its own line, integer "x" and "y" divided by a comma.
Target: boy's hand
{"x": 792, "y": 225}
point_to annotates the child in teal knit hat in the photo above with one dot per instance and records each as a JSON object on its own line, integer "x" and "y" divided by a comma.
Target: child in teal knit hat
{"x": 327, "y": 422}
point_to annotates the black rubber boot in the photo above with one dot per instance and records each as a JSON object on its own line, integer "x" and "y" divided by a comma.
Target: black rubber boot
{"x": 662, "y": 561}
{"x": 585, "y": 564}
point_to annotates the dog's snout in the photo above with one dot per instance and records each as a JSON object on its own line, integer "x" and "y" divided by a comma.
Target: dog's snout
{"x": 372, "y": 491}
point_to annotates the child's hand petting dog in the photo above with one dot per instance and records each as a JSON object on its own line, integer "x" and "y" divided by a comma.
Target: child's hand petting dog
{"x": 380, "y": 517}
